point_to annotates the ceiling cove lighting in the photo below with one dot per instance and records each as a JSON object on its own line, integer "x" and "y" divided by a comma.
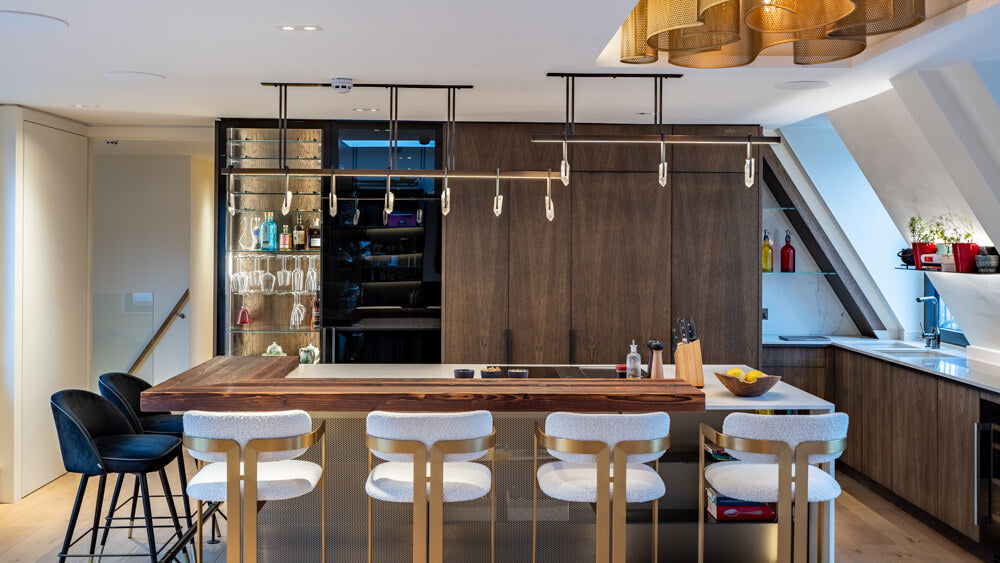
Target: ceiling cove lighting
{"x": 731, "y": 33}
{"x": 657, "y": 136}
{"x": 11, "y": 20}
{"x": 300, "y": 28}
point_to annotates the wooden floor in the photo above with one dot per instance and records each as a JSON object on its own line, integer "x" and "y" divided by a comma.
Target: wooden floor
{"x": 869, "y": 528}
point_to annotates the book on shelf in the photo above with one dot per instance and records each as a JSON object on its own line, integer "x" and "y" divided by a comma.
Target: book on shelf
{"x": 724, "y": 508}
{"x": 717, "y": 453}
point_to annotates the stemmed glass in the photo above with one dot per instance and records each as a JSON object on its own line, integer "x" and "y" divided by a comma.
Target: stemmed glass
{"x": 267, "y": 279}
{"x": 258, "y": 274}
{"x": 298, "y": 313}
{"x": 312, "y": 276}
{"x": 284, "y": 275}
{"x": 297, "y": 275}
{"x": 241, "y": 279}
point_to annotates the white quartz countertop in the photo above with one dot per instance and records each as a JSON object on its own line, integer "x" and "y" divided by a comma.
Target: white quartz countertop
{"x": 781, "y": 397}
{"x": 948, "y": 362}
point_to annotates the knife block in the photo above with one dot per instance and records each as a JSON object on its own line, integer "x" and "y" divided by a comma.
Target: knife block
{"x": 687, "y": 363}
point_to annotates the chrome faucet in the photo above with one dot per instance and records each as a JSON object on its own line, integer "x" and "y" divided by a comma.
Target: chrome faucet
{"x": 932, "y": 338}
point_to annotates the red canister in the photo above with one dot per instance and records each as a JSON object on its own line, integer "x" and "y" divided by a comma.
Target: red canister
{"x": 621, "y": 370}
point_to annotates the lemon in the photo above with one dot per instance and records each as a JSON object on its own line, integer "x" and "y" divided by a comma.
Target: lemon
{"x": 752, "y": 376}
{"x": 735, "y": 372}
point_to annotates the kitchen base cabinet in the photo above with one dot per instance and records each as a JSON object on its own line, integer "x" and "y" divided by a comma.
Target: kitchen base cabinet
{"x": 957, "y": 415}
{"x": 799, "y": 366}
{"x": 914, "y": 443}
{"x": 863, "y": 390}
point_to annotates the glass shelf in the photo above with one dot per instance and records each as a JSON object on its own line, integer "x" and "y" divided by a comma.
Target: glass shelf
{"x": 275, "y": 292}
{"x": 376, "y": 257}
{"x": 400, "y": 230}
{"x": 264, "y": 329}
{"x": 273, "y": 158}
{"x": 238, "y": 141}
{"x": 799, "y": 273}
{"x": 397, "y": 282}
{"x": 263, "y": 254}
{"x": 278, "y": 211}
{"x": 779, "y": 209}
{"x": 282, "y": 194}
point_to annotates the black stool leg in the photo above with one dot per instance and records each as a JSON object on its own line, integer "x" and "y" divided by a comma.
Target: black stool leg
{"x": 98, "y": 510}
{"x": 184, "y": 495}
{"x": 150, "y": 538}
{"x": 72, "y": 517}
{"x": 111, "y": 509}
{"x": 135, "y": 498}
{"x": 170, "y": 503}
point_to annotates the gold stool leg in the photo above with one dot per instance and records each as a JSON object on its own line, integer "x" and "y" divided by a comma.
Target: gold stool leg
{"x": 493, "y": 504}
{"x": 198, "y": 556}
{"x": 369, "y": 511}
{"x": 656, "y": 520}
{"x": 534, "y": 498}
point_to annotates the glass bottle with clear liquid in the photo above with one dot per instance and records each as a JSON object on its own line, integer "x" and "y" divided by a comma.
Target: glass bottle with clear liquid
{"x": 633, "y": 364}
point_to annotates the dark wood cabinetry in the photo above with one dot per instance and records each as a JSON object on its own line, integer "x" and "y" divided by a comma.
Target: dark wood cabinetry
{"x": 715, "y": 263}
{"x": 621, "y": 266}
{"x": 798, "y": 366}
{"x": 914, "y": 432}
{"x": 957, "y": 415}
{"x": 911, "y": 432}
{"x": 580, "y": 288}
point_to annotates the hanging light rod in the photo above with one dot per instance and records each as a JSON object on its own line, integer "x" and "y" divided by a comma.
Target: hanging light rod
{"x": 611, "y": 75}
{"x": 381, "y": 173}
{"x": 657, "y": 139}
{"x": 357, "y": 85}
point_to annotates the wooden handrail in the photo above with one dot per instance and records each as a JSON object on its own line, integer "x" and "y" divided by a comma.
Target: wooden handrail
{"x": 174, "y": 313}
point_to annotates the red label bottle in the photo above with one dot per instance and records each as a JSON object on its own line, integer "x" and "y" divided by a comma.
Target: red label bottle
{"x": 788, "y": 254}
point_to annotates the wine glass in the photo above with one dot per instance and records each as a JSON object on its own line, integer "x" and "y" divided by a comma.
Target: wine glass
{"x": 298, "y": 313}
{"x": 312, "y": 276}
{"x": 267, "y": 279}
{"x": 297, "y": 275}
{"x": 284, "y": 275}
{"x": 258, "y": 273}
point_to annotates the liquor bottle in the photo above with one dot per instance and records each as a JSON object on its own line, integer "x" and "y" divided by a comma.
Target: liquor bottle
{"x": 633, "y": 364}
{"x": 299, "y": 234}
{"x": 316, "y": 309}
{"x": 285, "y": 240}
{"x": 269, "y": 233}
{"x": 314, "y": 235}
{"x": 767, "y": 254}
{"x": 255, "y": 233}
{"x": 788, "y": 254}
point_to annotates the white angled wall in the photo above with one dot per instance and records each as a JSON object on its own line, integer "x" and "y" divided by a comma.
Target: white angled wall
{"x": 46, "y": 278}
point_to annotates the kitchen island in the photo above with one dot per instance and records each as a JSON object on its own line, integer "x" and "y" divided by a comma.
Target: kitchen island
{"x": 342, "y": 394}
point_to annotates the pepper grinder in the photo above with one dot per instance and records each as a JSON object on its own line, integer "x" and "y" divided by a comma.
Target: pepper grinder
{"x": 655, "y": 359}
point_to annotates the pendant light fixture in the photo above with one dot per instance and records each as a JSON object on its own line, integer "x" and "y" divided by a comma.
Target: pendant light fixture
{"x": 389, "y": 200}
{"x": 568, "y": 129}
{"x": 729, "y": 33}
{"x": 232, "y": 196}
{"x": 446, "y": 196}
{"x": 749, "y": 167}
{"x": 333, "y": 195}
{"x": 550, "y": 210}
{"x": 498, "y": 199}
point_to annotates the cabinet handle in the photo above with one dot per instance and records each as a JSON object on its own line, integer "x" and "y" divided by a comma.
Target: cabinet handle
{"x": 507, "y": 339}
{"x": 572, "y": 346}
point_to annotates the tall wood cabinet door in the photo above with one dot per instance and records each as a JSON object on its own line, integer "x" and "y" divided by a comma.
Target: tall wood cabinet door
{"x": 621, "y": 263}
{"x": 958, "y": 413}
{"x": 539, "y": 281}
{"x": 914, "y": 446}
{"x": 474, "y": 316}
{"x": 715, "y": 264}
{"x": 875, "y": 394}
{"x": 847, "y": 382}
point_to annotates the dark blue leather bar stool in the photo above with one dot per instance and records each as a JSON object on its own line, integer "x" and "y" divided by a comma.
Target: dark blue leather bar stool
{"x": 96, "y": 439}
{"x": 123, "y": 391}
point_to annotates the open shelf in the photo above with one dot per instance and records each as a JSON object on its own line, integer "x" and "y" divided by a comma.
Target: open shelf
{"x": 799, "y": 273}
{"x": 265, "y": 329}
{"x": 263, "y": 254}
{"x": 238, "y": 141}
{"x": 779, "y": 209}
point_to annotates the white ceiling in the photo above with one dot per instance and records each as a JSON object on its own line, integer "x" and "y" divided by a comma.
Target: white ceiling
{"x": 214, "y": 55}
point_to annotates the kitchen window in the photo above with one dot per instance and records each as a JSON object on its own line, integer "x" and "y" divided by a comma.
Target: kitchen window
{"x": 951, "y": 333}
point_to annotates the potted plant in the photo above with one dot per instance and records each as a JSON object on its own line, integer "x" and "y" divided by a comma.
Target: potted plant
{"x": 958, "y": 230}
{"x": 921, "y": 238}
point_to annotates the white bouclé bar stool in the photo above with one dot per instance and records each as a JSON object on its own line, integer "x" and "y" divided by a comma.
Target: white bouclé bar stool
{"x": 774, "y": 453}
{"x": 428, "y": 460}
{"x": 252, "y": 454}
{"x": 602, "y": 457}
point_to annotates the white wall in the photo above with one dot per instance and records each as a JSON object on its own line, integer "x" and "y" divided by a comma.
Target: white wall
{"x": 856, "y": 207}
{"x": 46, "y": 279}
{"x": 142, "y": 243}
{"x": 202, "y": 308}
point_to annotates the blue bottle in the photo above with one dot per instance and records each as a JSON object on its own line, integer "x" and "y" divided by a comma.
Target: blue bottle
{"x": 269, "y": 233}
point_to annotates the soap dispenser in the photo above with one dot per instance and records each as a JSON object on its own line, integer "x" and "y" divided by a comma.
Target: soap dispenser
{"x": 766, "y": 254}
{"x": 633, "y": 364}
{"x": 788, "y": 254}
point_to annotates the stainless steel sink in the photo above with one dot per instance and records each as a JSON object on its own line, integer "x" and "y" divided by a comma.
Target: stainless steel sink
{"x": 912, "y": 353}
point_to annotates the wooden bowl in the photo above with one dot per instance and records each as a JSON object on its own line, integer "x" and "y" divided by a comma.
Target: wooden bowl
{"x": 743, "y": 389}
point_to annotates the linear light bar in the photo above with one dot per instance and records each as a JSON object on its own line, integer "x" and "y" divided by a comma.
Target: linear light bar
{"x": 657, "y": 139}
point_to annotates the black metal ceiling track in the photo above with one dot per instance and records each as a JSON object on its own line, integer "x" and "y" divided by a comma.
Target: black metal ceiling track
{"x": 819, "y": 245}
{"x": 366, "y": 85}
{"x": 611, "y": 75}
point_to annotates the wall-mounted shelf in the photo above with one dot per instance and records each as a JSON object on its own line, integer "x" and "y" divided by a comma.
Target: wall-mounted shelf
{"x": 250, "y": 329}
{"x": 779, "y": 209}
{"x": 799, "y": 273}
{"x": 287, "y": 253}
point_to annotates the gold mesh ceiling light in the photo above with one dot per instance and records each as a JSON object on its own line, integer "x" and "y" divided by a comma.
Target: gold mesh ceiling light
{"x": 729, "y": 33}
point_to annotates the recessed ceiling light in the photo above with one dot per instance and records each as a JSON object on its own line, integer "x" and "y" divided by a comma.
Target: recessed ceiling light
{"x": 85, "y": 106}
{"x": 27, "y": 21}
{"x": 134, "y": 75}
{"x": 310, "y": 28}
{"x": 287, "y": 28}
{"x": 803, "y": 85}
{"x": 360, "y": 110}
{"x": 300, "y": 28}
